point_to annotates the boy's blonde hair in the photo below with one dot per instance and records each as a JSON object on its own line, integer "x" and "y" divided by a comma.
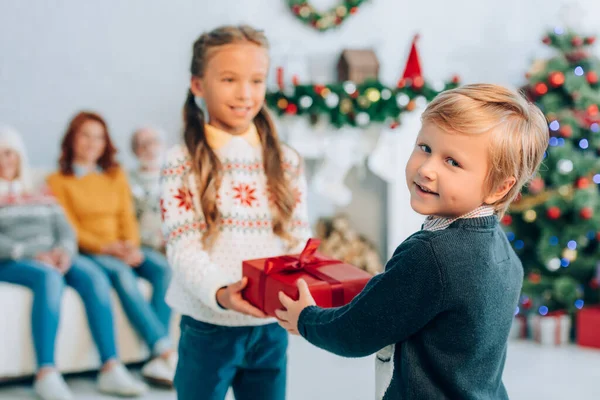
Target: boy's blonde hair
{"x": 519, "y": 131}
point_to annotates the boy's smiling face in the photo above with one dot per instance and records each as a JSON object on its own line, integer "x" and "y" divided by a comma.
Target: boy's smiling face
{"x": 446, "y": 172}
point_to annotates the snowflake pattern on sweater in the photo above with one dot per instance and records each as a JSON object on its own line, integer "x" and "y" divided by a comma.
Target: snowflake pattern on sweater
{"x": 245, "y": 232}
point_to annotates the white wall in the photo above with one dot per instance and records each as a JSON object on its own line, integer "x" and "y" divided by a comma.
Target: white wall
{"x": 129, "y": 59}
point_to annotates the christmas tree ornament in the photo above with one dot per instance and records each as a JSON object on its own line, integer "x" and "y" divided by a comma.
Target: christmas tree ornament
{"x": 586, "y": 213}
{"x": 553, "y": 212}
{"x": 553, "y": 264}
{"x": 529, "y": 215}
{"x": 565, "y": 166}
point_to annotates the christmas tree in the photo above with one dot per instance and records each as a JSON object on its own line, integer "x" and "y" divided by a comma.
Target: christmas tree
{"x": 554, "y": 226}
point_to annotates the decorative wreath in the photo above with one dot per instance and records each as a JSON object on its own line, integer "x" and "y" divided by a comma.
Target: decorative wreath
{"x": 329, "y": 19}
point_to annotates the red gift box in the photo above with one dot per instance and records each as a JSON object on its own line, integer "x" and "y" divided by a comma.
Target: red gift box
{"x": 331, "y": 282}
{"x": 588, "y": 327}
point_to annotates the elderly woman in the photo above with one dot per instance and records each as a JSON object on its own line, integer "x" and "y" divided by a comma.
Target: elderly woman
{"x": 38, "y": 250}
{"x": 95, "y": 194}
{"x": 147, "y": 146}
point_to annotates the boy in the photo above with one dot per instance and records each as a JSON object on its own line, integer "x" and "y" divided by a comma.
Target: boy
{"x": 440, "y": 314}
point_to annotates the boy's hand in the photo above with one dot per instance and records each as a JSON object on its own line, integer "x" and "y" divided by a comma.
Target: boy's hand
{"x": 288, "y": 318}
{"x": 63, "y": 261}
{"x": 230, "y": 298}
{"x": 134, "y": 257}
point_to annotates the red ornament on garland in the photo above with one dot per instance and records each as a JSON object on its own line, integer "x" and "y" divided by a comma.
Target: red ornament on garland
{"x": 536, "y": 185}
{"x": 577, "y": 41}
{"x": 586, "y": 213}
{"x": 590, "y": 40}
{"x": 291, "y": 109}
{"x": 594, "y": 284}
{"x": 592, "y": 77}
{"x": 546, "y": 40}
{"x": 318, "y": 89}
{"x": 553, "y": 212}
{"x": 593, "y": 110}
{"x": 353, "y": 10}
{"x": 418, "y": 82}
{"x": 456, "y": 79}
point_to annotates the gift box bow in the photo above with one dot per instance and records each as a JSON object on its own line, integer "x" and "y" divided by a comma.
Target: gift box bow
{"x": 308, "y": 261}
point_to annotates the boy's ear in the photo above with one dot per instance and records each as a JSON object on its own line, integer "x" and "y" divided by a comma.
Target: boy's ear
{"x": 197, "y": 87}
{"x": 500, "y": 191}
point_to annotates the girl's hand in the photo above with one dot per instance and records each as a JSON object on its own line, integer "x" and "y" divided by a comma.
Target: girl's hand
{"x": 230, "y": 297}
{"x": 288, "y": 318}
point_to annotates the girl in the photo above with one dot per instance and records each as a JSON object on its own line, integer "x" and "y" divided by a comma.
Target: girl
{"x": 38, "y": 250}
{"x": 94, "y": 191}
{"x": 231, "y": 192}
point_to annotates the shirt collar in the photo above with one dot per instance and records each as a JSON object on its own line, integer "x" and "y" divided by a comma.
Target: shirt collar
{"x": 218, "y": 138}
{"x": 434, "y": 223}
{"x": 80, "y": 171}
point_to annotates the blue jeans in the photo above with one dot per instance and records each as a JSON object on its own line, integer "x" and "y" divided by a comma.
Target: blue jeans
{"x": 150, "y": 320}
{"x": 47, "y": 285}
{"x": 251, "y": 359}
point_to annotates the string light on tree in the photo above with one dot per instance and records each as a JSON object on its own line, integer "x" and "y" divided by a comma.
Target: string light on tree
{"x": 553, "y": 264}
{"x": 529, "y": 216}
{"x": 565, "y": 166}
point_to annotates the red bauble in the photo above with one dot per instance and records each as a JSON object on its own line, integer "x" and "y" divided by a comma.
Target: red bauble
{"x": 318, "y": 89}
{"x": 291, "y": 109}
{"x": 456, "y": 79}
{"x": 582, "y": 183}
{"x": 540, "y": 89}
{"x": 401, "y": 83}
{"x": 507, "y": 220}
{"x": 593, "y": 109}
{"x": 586, "y": 213}
{"x": 553, "y": 212}
{"x": 577, "y": 41}
{"x": 535, "y": 277}
{"x": 546, "y": 40}
{"x": 536, "y": 185}
{"x": 556, "y": 78}
{"x": 296, "y": 9}
{"x": 594, "y": 283}
{"x": 527, "y": 303}
{"x": 592, "y": 77}
{"x": 566, "y": 131}
{"x": 353, "y": 10}
{"x": 418, "y": 82}
{"x": 590, "y": 40}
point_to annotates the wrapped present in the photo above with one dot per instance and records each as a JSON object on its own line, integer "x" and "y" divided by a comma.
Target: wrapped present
{"x": 518, "y": 329}
{"x": 331, "y": 282}
{"x": 588, "y": 327}
{"x": 551, "y": 329}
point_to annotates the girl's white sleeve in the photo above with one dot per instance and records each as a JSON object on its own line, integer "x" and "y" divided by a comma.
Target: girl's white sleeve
{"x": 183, "y": 224}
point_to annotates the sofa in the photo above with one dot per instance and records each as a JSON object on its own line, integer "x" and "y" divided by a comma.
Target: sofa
{"x": 75, "y": 348}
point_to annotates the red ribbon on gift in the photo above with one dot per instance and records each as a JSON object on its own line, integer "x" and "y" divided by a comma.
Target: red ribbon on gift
{"x": 308, "y": 261}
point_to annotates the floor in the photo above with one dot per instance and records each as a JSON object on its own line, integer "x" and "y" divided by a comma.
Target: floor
{"x": 532, "y": 372}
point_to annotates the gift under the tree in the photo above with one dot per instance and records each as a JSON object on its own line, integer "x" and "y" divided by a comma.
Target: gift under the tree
{"x": 518, "y": 329}
{"x": 551, "y": 329}
{"x": 331, "y": 282}
{"x": 588, "y": 327}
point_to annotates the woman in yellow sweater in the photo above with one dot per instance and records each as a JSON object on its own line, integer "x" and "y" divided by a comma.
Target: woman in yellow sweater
{"x": 93, "y": 189}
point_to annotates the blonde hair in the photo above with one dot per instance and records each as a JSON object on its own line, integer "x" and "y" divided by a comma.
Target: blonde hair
{"x": 519, "y": 131}
{"x": 205, "y": 163}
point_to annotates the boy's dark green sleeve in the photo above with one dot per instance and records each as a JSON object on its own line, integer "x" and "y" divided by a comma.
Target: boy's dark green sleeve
{"x": 393, "y": 306}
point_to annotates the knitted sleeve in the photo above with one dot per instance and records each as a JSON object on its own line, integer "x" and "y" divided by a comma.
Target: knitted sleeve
{"x": 183, "y": 223}
{"x": 393, "y": 306}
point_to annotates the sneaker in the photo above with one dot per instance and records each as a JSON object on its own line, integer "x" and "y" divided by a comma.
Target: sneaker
{"x": 120, "y": 382}
{"x": 52, "y": 387}
{"x": 161, "y": 371}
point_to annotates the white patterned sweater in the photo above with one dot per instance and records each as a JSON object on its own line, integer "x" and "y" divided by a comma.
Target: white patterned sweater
{"x": 246, "y": 231}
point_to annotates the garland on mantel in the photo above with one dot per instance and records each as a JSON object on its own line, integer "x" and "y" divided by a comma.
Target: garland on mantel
{"x": 356, "y": 105}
